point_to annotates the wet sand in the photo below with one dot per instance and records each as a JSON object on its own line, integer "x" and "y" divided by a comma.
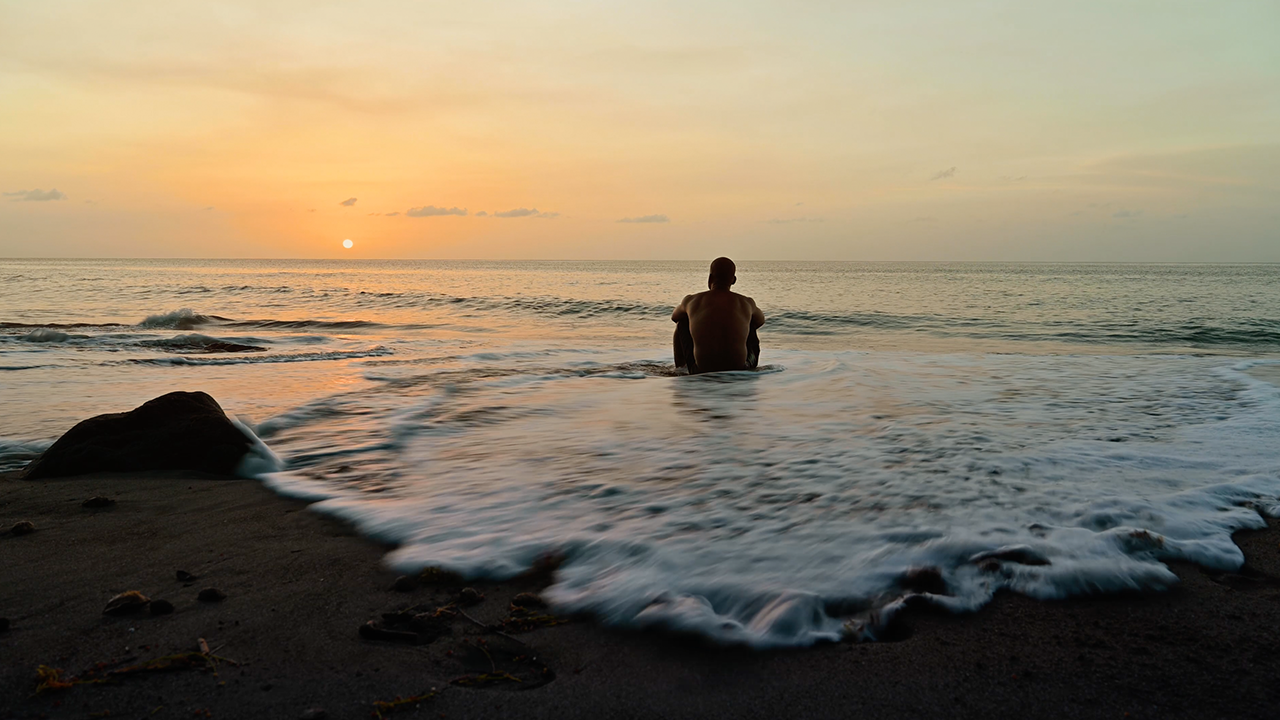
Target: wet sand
{"x": 299, "y": 586}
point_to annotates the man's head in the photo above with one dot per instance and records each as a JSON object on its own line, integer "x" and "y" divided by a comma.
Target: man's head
{"x": 723, "y": 273}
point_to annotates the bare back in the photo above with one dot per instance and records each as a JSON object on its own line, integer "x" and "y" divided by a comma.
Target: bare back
{"x": 719, "y": 321}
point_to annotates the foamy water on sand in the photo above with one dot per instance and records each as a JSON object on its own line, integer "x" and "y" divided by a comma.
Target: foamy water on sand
{"x": 1055, "y": 430}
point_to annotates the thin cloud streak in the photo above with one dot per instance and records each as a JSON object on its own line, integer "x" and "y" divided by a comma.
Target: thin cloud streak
{"x": 433, "y": 211}
{"x": 646, "y": 219}
{"x": 36, "y": 195}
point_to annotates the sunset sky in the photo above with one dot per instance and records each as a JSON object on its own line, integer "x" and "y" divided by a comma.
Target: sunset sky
{"x": 1127, "y": 130}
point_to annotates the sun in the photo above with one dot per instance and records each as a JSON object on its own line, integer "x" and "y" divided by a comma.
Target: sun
{"x": 347, "y": 244}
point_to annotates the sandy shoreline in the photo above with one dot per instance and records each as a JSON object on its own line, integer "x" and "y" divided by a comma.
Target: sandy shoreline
{"x": 299, "y": 586}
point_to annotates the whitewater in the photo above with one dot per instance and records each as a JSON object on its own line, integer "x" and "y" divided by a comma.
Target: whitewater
{"x": 1053, "y": 430}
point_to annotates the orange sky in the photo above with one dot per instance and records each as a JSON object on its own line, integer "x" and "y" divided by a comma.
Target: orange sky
{"x": 863, "y": 130}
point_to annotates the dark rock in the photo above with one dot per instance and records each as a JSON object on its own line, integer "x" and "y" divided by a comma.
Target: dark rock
{"x": 98, "y": 501}
{"x": 23, "y": 527}
{"x": 371, "y": 631}
{"x": 405, "y": 583}
{"x": 211, "y": 594}
{"x": 470, "y": 596}
{"x": 4, "y": 624}
{"x": 184, "y": 576}
{"x": 923, "y": 580}
{"x": 126, "y": 603}
{"x": 528, "y": 600}
{"x": 314, "y": 713}
{"x": 161, "y": 607}
{"x": 178, "y": 431}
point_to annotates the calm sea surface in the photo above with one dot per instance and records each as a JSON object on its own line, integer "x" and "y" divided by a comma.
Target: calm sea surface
{"x": 1100, "y": 418}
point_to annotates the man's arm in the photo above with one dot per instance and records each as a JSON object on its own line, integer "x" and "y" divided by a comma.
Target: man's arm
{"x": 757, "y": 316}
{"x": 681, "y": 313}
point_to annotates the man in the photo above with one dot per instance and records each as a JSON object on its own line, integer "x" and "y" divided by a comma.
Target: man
{"x": 716, "y": 329}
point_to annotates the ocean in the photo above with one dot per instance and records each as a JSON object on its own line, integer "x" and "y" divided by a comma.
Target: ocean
{"x": 1055, "y": 430}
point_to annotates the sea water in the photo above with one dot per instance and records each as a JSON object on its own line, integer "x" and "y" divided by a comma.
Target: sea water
{"x": 1054, "y": 430}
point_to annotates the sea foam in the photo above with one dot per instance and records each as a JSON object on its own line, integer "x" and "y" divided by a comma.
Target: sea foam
{"x": 790, "y": 508}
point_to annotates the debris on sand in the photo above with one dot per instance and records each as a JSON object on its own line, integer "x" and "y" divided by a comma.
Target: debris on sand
{"x": 126, "y": 603}
{"x": 371, "y": 631}
{"x": 97, "y": 501}
{"x": 161, "y": 607}
{"x": 470, "y": 596}
{"x": 405, "y": 583}
{"x": 184, "y": 576}
{"x": 523, "y": 619}
{"x": 383, "y": 708}
{"x": 439, "y": 576}
{"x": 22, "y": 527}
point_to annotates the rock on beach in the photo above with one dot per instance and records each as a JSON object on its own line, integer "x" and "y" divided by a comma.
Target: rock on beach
{"x": 177, "y": 431}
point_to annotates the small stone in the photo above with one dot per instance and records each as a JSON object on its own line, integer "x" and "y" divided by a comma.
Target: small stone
{"x": 161, "y": 607}
{"x": 23, "y": 527}
{"x": 126, "y": 603}
{"x": 184, "y": 576}
{"x": 470, "y": 596}
{"x": 98, "y": 501}
{"x": 528, "y": 600}
{"x": 4, "y": 624}
{"x": 314, "y": 713}
{"x": 405, "y": 583}
{"x": 211, "y": 594}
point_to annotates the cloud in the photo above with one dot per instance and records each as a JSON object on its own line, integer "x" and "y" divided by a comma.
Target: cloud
{"x": 392, "y": 214}
{"x": 482, "y": 214}
{"x": 433, "y": 211}
{"x": 646, "y": 219}
{"x": 209, "y": 208}
{"x": 36, "y": 195}
{"x": 1123, "y": 214}
{"x": 348, "y": 202}
{"x": 944, "y": 174}
{"x": 784, "y": 221}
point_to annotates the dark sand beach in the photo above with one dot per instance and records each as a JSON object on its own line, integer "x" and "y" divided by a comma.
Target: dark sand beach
{"x": 299, "y": 586}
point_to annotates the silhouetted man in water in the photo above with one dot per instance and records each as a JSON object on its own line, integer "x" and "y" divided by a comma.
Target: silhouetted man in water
{"x": 716, "y": 329}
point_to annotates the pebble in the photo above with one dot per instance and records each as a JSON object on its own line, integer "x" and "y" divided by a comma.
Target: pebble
{"x": 98, "y": 501}
{"x": 211, "y": 594}
{"x": 126, "y": 603}
{"x": 405, "y": 583}
{"x": 470, "y": 596}
{"x": 528, "y": 600}
{"x": 184, "y": 576}
{"x": 314, "y": 713}
{"x": 161, "y": 607}
{"x": 23, "y": 527}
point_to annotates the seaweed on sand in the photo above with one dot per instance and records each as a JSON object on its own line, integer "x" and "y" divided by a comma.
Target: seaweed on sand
{"x": 383, "y": 708}
{"x": 51, "y": 679}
